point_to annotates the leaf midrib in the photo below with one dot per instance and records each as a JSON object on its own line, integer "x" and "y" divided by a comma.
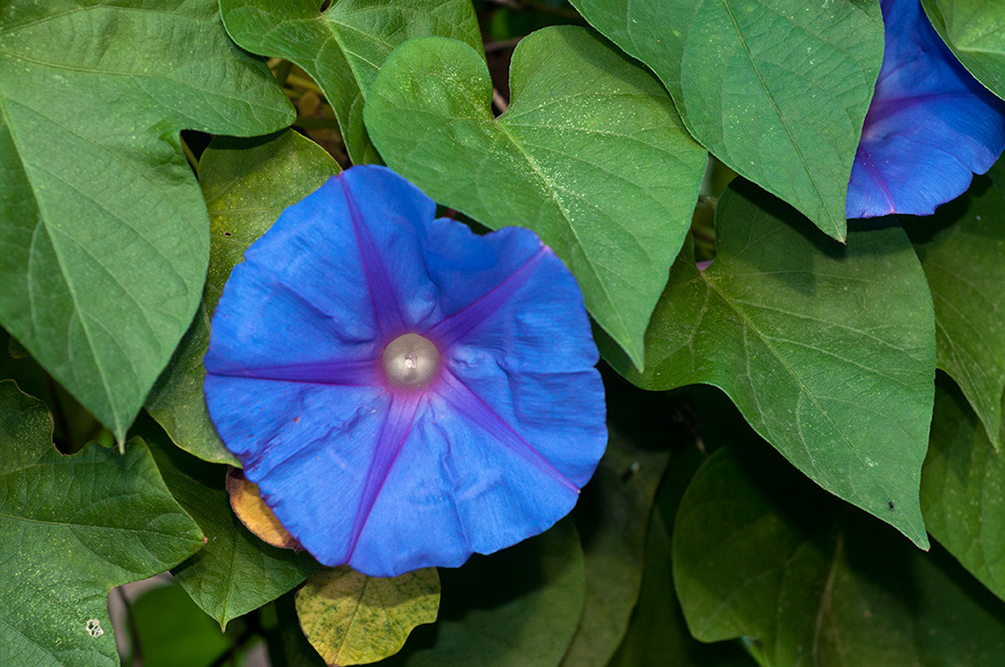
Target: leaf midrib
{"x": 747, "y": 323}
{"x": 564, "y": 216}
{"x": 778, "y": 113}
{"x": 62, "y": 268}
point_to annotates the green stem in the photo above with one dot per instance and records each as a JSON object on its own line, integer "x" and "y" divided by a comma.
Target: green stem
{"x": 301, "y": 82}
{"x": 282, "y": 71}
{"x": 189, "y": 155}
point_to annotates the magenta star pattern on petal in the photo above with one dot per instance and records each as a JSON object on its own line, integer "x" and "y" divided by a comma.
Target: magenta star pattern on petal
{"x": 404, "y": 392}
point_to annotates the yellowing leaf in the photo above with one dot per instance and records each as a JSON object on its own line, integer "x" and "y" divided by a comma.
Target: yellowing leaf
{"x": 353, "y": 619}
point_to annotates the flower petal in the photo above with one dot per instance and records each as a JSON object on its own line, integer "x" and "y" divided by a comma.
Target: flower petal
{"x": 930, "y": 126}
{"x": 307, "y": 290}
{"x": 309, "y": 449}
{"x": 456, "y": 490}
{"x": 516, "y": 424}
{"x": 392, "y": 479}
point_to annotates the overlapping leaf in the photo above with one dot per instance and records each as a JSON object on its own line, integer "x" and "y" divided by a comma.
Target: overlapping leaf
{"x": 73, "y": 527}
{"x": 344, "y": 45}
{"x": 613, "y": 532}
{"x": 827, "y": 350}
{"x": 590, "y": 155}
{"x": 963, "y": 490}
{"x": 975, "y": 31}
{"x": 759, "y": 552}
{"x": 516, "y": 608}
{"x": 247, "y": 184}
{"x": 235, "y": 572}
{"x": 353, "y": 619}
{"x": 961, "y": 249}
{"x": 171, "y": 631}
{"x": 104, "y": 233}
{"x": 658, "y": 634}
{"x": 778, "y": 89}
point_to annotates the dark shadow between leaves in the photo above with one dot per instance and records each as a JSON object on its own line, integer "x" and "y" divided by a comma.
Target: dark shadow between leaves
{"x": 482, "y": 584}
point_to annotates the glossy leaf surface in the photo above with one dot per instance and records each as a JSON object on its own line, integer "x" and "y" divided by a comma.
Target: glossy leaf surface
{"x": 963, "y": 490}
{"x": 975, "y": 31}
{"x": 805, "y": 336}
{"x": 104, "y": 233}
{"x": 777, "y": 90}
{"x": 74, "y": 527}
{"x": 960, "y": 248}
{"x": 590, "y": 149}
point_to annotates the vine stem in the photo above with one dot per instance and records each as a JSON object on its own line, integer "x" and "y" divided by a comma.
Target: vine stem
{"x": 189, "y": 155}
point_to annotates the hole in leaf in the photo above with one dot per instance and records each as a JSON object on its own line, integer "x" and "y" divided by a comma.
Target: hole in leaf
{"x": 325, "y": 5}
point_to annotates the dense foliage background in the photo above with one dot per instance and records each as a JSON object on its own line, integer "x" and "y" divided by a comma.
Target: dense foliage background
{"x": 804, "y": 463}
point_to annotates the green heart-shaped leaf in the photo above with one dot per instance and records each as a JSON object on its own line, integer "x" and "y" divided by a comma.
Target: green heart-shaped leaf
{"x": 590, "y": 155}
{"x": 827, "y": 350}
{"x": 776, "y": 89}
{"x": 344, "y": 46}
{"x": 104, "y": 235}
{"x": 975, "y": 31}
{"x": 74, "y": 527}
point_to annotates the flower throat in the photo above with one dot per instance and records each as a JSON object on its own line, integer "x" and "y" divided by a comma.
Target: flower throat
{"x": 410, "y": 361}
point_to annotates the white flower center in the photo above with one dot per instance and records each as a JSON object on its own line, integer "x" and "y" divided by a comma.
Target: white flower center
{"x": 411, "y": 361}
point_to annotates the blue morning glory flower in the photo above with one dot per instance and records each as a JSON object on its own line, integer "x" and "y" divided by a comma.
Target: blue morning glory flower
{"x": 404, "y": 391}
{"x": 930, "y": 126}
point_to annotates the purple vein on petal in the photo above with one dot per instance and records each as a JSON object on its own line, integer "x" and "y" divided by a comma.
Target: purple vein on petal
{"x": 477, "y": 411}
{"x": 393, "y": 433}
{"x": 458, "y": 325}
{"x": 357, "y": 373}
{"x": 865, "y": 159}
{"x": 385, "y": 302}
